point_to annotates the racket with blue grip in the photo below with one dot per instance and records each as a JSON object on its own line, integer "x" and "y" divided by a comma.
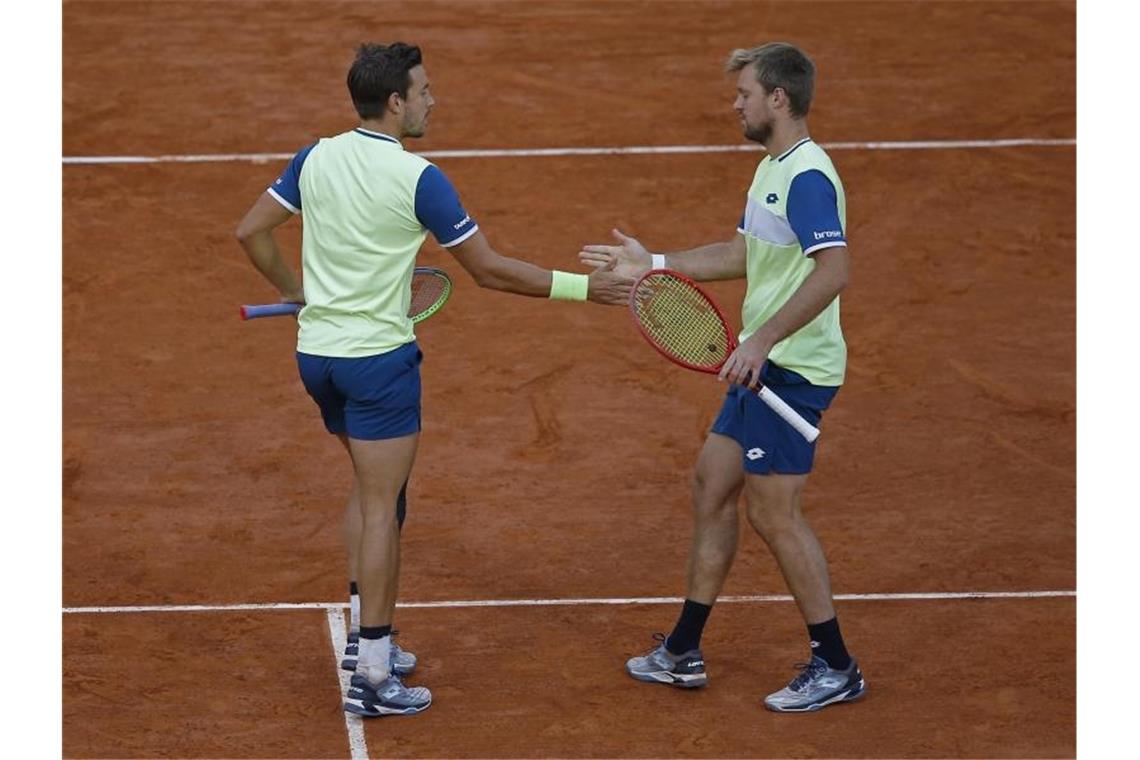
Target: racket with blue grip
{"x": 257, "y": 311}
{"x": 431, "y": 287}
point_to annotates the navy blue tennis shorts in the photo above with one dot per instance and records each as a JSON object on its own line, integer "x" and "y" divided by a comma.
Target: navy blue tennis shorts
{"x": 770, "y": 445}
{"x": 368, "y": 398}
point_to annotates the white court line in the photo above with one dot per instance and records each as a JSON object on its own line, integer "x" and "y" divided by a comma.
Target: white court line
{"x": 354, "y": 724}
{"x": 331, "y": 606}
{"x": 611, "y": 151}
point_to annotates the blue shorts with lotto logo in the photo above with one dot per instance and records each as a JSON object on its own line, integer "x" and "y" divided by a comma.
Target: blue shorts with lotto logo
{"x": 368, "y": 398}
{"x": 768, "y": 444}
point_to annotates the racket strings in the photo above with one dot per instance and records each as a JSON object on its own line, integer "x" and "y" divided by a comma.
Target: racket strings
{"x": 429, "y": 290}
{"x": 679, "y": 320}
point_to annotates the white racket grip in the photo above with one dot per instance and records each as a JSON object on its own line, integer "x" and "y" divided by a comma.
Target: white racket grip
{"x": 789, "y": 415}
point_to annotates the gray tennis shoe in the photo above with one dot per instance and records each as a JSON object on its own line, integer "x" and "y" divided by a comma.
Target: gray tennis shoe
{"x": 389, "y": 697}
{"x": 817, "y": 686}
{"x": 685, "y": 671}
{"x": 402, "y": 662}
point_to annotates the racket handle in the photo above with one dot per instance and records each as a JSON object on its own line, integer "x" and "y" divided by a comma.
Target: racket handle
{"x": 789, "y": 415}
{"x": 269, "y": 310}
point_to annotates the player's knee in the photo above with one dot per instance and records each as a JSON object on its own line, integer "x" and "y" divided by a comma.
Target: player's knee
{"x": 770, "y": 517}
{"x": 708, "y": 493}
{"x": 379, "y": 516}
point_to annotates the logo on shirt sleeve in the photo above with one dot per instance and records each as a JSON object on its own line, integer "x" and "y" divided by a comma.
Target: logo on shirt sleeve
{"x": 828, "y": 235}
{"x": 772, "y": 198}
{"x": 465, "y": 220}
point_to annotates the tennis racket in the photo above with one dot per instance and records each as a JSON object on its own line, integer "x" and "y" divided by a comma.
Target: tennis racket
{"x": 683, "y": 323}
{"x": 430, "y": 290}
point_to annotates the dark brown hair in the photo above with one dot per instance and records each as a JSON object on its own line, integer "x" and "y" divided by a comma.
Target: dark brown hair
{"x": 377, "y": 72}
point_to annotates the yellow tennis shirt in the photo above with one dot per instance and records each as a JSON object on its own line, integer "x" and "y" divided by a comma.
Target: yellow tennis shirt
{"x": 795, "y": 207}
{"x": 367, "y": 206}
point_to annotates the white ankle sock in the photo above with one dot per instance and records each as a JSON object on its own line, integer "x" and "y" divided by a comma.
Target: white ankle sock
{"x": 354, "y": 613}
{"x": 374, "y": 663}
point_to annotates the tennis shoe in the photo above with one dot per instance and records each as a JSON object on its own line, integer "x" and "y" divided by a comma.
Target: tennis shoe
{"x": 685, "y": 671}
{"x": 389, "y": 697}
{"x": 402, "y": 662}
{"x": 816, "y": 686}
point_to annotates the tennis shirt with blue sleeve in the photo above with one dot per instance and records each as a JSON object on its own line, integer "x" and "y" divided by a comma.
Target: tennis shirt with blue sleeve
{"x": 367, "y": 206}
{"x": 796, "y": 207}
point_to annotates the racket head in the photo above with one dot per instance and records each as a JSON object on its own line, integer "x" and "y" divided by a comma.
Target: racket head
{"x": 431, "y": 288}
{"x": 681, "y": 321}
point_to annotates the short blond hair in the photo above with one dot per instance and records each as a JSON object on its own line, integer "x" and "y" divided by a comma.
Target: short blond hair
{"x": 783, "y": 65}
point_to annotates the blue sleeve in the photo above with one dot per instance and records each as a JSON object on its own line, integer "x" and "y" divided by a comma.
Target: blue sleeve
{"x": 287, "y": 188}
{"x": 439, "y": 210}
{"x": 813, "y": 212}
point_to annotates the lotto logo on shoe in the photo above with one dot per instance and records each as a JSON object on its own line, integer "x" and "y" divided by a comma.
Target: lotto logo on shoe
{"x": 755, "y": 454}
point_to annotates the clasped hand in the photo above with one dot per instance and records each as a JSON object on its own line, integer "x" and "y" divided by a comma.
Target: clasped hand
{"x": 629, "y": 258}
{"x": 743, "y": 365}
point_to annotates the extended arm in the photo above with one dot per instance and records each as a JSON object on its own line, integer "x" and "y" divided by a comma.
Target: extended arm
{"x": 490, "y": 269}
{"x": 255, "y": 233}
{"x": 715, "y": 261}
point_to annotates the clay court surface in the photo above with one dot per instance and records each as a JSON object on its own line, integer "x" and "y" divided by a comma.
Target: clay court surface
{"x": 557, "y": 447}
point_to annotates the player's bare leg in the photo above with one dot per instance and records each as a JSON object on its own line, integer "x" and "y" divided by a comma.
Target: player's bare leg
{"x": 775, "y": 512}
{"x": 354, "y": 520}
{"x": 353, "y": 525}
{"x": 717, "y": 483}
{"x": 381, "y": 468}
{"x": 403, "y": 661}
{"x": 831, "y": 675}
{"x": 719, "y": 477}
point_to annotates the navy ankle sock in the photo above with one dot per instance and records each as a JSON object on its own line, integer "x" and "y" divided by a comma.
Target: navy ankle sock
{"x": 827, "y": 642}
{"x": 375, "y": 632}
{"x": 686, "y": 634}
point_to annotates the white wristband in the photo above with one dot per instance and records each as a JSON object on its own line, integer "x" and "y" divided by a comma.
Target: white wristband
{"x": 658, "y": 261}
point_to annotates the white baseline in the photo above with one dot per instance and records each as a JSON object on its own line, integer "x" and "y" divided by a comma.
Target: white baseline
{"x": 353, "y": 724}
{"x": 1022, "y": 142}
{"x": 914, "y": 596}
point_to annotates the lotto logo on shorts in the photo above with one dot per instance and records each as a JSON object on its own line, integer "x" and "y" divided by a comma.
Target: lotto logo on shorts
{"x": 755, "y": 454}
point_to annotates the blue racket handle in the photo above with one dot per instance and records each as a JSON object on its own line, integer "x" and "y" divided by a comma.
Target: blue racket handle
{"x": 270, "y": 310}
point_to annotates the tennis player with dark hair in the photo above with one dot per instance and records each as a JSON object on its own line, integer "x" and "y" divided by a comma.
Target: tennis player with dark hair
{"x": 791, "y": 245}
{"x": 368, "y": 205}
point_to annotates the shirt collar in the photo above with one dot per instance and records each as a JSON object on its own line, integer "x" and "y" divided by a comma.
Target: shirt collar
{"x": 792, "y": 149}
{"x": 377, "y": 135}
